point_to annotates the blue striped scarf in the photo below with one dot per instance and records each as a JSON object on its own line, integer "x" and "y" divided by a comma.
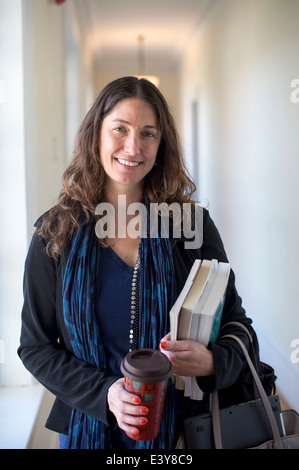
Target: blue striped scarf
{"x": 157, "y": 294}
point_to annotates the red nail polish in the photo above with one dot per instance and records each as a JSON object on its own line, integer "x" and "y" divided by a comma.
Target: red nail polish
{"x": 163, "y": 344}
{"x": 143, "y": 421}
{"x": 135, "y": 431}
{"x": 144, "y": 410}
{"x": 136, "y": 400}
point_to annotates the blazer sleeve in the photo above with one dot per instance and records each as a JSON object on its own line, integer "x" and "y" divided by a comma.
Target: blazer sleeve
{"x": 42, "y": 349}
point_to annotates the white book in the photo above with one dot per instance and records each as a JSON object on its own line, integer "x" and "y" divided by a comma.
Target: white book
{"x": 191, "y": 387}
{"x": 209, "y": 320}
{"x": 176, "y": 308}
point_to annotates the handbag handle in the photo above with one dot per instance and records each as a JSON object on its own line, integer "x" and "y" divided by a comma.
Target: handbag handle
{"x": 252, "y": 351}
{"x": 215, "y": 405}
{"x": 244, "y": 328}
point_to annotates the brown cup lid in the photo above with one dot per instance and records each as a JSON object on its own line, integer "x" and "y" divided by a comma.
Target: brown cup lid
{"x": 146, "y": 365}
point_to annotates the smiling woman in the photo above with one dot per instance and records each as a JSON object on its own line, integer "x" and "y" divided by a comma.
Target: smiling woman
{"x": 88, "y": 301}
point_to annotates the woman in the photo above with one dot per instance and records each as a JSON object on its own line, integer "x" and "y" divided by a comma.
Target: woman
{"x": 81, "y": 312}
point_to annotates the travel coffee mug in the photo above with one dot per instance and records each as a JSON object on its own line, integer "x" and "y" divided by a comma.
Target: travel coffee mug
{"x": 146, "y": 373}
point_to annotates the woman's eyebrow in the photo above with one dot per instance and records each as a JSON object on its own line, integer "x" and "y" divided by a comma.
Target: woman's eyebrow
{"x": 148, "y": 126}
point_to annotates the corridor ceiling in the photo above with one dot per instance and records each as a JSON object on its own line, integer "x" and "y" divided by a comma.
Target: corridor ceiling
{"x": 111, "y": 29}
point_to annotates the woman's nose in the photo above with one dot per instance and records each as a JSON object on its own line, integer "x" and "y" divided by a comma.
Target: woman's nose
{"x": 132, "y": 145}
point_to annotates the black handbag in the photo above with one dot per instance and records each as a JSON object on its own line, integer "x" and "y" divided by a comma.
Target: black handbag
{"x": 288, "y": 438}
{"x": 257, "y": 424}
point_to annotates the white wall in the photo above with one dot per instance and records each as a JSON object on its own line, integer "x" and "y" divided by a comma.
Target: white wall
{"x": 34, "y": 117}
{"x": 32, "y": 146}
{"x": 239, "y": 68}
{"x": 44, "y": 53}
{"x": 13, "y": 237}
{"x": 58, "y": 91}
{"x": 79, "y": 76}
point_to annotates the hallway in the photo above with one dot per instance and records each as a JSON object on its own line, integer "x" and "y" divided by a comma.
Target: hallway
{"x": 229, "y": 71}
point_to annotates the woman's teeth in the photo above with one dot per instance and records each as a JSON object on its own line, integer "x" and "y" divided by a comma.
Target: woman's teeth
{"x": 127, "y": 163}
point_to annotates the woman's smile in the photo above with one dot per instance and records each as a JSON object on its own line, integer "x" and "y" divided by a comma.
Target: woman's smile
{"x": 128, "y": 163}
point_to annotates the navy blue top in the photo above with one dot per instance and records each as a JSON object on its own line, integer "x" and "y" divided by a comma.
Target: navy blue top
{"x": 113, "y": 308}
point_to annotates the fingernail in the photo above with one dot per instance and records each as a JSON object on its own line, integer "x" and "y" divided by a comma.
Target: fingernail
{"x": 135, "y": 431}
{"x": 144, "y": 410}
{"x": 136, "y": 400}
{"x": 143, "y": 421}
{"x": 163, "y": 344}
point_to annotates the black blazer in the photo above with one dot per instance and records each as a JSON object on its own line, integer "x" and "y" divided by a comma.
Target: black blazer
{"x": 46, "y": 352}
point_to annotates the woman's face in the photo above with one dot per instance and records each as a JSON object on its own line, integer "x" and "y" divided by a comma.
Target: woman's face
{"x": 129, "y": 142}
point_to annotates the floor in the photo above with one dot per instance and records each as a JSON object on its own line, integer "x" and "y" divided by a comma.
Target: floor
{"x": 23, "y": 412}
{"x": 18, "y": 408}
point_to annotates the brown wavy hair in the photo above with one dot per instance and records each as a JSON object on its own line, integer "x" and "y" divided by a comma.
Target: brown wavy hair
{"x": 84, "y": 179}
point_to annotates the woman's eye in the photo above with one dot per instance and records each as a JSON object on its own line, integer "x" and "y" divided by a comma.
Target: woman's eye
{"x": 149, "y": 134}
{"x": 119, "y": 129}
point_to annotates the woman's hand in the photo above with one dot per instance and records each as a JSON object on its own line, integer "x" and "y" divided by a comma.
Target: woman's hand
{"x": 126, "y": 407}
{"x": 188, "y": 358}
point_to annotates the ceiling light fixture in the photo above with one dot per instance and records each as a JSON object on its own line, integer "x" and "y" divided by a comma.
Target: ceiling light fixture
{"x": 141, "y": 63}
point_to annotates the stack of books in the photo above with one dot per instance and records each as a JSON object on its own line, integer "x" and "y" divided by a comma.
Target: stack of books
{"x": 197, "y": 312}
